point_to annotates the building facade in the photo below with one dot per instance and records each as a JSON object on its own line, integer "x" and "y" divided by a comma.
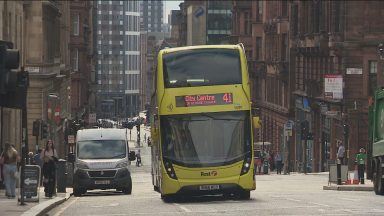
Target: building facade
{"x": 11, "y": 29}
{"x": 47, "y": 59}
{"x": 308, "y": 62}
{"x": 81, "y": 50}
{"x": 118, "y": 58}
{"x": 151, "y": 15}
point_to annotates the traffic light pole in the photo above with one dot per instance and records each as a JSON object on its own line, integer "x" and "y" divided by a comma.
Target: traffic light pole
{"x": 24, "y": 148}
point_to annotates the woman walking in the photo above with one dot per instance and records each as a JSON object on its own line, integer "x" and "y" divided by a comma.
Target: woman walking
{"x": 10, "y": 158}
{"x": 49, "y": 156}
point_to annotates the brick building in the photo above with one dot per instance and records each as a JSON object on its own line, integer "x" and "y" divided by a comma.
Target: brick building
{"x": 81, "y": 48}
{"x": 294, "y": 49}
{"x": 262, "y": 26}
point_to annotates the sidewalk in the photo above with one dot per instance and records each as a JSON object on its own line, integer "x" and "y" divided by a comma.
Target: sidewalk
{"x": 11, "y": 207}
{"x": 368, "y": 186}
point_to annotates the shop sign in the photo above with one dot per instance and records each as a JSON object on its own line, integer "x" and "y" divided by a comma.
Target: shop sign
{"x": 333, "y": 86}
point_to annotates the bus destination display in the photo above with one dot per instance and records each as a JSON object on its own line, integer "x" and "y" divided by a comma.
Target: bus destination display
{"x": 204, "y": 100}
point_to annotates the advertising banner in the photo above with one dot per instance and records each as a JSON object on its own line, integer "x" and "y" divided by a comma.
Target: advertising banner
{"x": 333, "y": 86}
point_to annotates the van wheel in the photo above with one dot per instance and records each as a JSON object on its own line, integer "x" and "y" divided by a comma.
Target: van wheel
{"x": 77, "y": 191}
{"x": 127, "y": 190}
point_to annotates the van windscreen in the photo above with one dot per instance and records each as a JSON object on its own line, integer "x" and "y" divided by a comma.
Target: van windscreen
{"x": 101, "y": 149}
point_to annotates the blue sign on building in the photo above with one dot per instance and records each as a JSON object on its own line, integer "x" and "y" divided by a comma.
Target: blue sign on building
{"x": 198, "y": 12}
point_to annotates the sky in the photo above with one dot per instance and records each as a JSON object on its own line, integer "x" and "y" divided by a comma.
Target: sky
{"x": 170, "y": 5}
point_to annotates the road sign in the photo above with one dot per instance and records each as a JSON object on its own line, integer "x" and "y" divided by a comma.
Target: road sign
{"x": 31, "y": 181}
{"x": 92, "y": 118}
{"x": 71, "y": 139}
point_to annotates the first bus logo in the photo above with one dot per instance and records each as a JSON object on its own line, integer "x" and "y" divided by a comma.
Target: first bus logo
{"x": 211, "y": 173}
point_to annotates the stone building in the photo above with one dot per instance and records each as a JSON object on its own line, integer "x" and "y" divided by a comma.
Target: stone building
{"x": 46, "y": 57}
{"x": 11, "y": 29}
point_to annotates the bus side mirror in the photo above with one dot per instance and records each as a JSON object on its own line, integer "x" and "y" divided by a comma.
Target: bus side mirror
{"x": 256, "y": 122}
{"x": 132, "y": 156}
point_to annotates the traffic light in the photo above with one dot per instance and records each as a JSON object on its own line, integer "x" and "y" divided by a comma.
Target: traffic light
{"x": 9, "y": 59}
{"x": 36, "y": 128}
{"x": 44, "y": 130}
{"x": 345, "y": 129}
{"x": 304, "y": 129}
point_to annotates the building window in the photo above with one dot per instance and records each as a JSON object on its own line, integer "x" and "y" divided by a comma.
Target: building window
{"x": 110, "y": 22}
{"x": 110, "y": 52}
{"x": 76, "y": 24}
{"x": 259, "y": 11}
{"x": 99, "y": 52}
{"x": 99, "y": 62}
{"x": 258, "y": 48}
{"x": 284, "y": 8}
{"x": 121, "y": 32}
{"x": 110, "y": 42}
{"x": 110, "y": 12}
{"x": 121, "y": 2}
{"x": 99, "y": 42}
{"x": 372, "y": 77}
{"x": 99, "y": 32}
{"x": 110, "y": 62}
{"x": 121, "y": 42}
{"x": 284, "y": 46}
{"x": 110, "y": 32}
{"x": 99, "y": 12}
{"x": 247, "y": 23}
{"x": 75, "y": 60}
{"x": 372, "y": 67}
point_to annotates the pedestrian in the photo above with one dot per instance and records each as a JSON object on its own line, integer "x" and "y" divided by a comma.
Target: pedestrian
{"x": 9, "y": 158}
{"x": 49, "y": 157}
{"x": 360, "y": 160}
{"x": 37, "y": 159}
{"x": 138, "y": 158}
{"x": 341, "y": 153}
{"x": 149, "y": 142}
{"x": 279, "y": 163}
{"x": 30, "y": 159}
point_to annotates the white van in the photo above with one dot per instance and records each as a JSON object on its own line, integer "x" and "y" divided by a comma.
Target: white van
{"x": 102, "y": 161}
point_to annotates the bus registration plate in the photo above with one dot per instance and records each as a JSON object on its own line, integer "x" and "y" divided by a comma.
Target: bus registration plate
{"x": 209, "y": 187}
{"x": 102, "y": 182}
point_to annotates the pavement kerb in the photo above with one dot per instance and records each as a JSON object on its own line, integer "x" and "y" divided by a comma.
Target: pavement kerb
{"x": 46, "y": 206}
{"x": 348, "y": 188}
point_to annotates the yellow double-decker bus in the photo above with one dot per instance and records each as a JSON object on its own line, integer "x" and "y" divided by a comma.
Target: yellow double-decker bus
{"x": 201, "y": 125}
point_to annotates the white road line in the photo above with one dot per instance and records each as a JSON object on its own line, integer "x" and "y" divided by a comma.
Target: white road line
{"x": 350, "y": 199}
{"x": 64, "y": 208}
{"x": 319, "y": 204}
{"x": 291, "y": 199}
{"x": 182, "y": 207}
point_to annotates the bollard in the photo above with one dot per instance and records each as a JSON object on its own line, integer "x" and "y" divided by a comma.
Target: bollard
{"x": 338, "y": 172}
{"x": 61, "y": 173}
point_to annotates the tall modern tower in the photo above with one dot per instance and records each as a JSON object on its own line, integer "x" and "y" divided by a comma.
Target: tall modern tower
{"x": 151, "y": 12}
{"x": 118, "y": 58}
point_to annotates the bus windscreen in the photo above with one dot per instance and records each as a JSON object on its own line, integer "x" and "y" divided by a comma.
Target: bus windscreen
{"x": 206, "y": 139}
{"x": 201, "y": 67}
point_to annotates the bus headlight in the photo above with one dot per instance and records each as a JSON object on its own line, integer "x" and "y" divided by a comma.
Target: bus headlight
{"x": 246, "y": 164}
{"x": 169, "y": 169}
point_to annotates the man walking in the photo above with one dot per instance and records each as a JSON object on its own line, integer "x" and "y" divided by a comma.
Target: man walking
{"x": 360, "y": 160}
{"x": 341, "y": 153}
{"x": 278, "y": 161}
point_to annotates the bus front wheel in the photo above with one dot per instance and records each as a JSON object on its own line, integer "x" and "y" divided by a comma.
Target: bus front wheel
{"x": 244, "y": 195}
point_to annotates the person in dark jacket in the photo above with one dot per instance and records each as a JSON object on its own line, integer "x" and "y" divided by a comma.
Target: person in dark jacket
{"x": 49, "y": 156}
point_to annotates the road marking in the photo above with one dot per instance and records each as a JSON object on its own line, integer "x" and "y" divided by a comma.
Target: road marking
{"x": 319, "y": 204}
{"x": 64, "y": 208}
{"x": 182, "y": 207}
{"x": 108, "y": 205}
{"x": 350, "y": 199}
{"x": 291, "y": 199}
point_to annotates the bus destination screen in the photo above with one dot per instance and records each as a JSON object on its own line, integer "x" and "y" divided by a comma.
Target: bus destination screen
{"x": 204, "y": 100}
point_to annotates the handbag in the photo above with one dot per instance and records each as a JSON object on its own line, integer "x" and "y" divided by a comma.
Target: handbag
{"x": 16, "y": 175}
